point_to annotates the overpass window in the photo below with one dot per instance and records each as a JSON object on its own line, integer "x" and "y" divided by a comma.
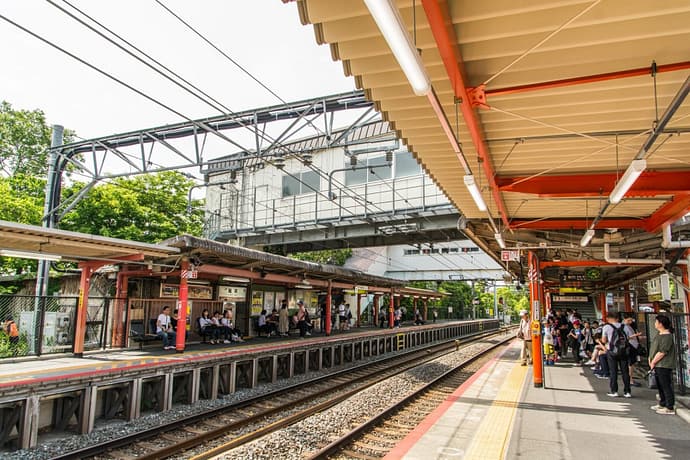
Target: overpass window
{"x": 383, "y": 170}
{"x": 406, "y": 165}
{"x": 362, "y": 176}
{"x": 356, "y": 177}
{"x": 305, "y": 182}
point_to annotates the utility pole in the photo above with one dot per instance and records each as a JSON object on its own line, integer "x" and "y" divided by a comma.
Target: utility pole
{"x": 43, "y": 269}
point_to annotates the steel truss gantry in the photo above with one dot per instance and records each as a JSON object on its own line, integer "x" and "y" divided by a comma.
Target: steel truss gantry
{"x": 163, "y": 148}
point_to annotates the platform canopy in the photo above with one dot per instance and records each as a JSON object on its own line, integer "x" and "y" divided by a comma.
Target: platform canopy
{"x": 39, "y": 242}
{"x": 551, "y": 103}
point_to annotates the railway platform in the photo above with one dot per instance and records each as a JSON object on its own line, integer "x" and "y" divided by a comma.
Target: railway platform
{"x": 74, "y": 394}
{"x": 499, "y": 414}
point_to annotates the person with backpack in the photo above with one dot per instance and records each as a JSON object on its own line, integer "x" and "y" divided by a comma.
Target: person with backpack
{"x": 617, "y": 350}
{"x": 10, "y": 328}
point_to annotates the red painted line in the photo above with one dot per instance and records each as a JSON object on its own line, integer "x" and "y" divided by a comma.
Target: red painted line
{"x": 420, "y": 430}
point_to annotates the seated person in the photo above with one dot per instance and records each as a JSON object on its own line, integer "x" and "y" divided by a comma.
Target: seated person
{"x": 173, "y": 321}
{"x": 231, "y": 332}
{"x": 164, "y": 329}
{"x": 208, "y": 328}
{"x": 264, "y": 325}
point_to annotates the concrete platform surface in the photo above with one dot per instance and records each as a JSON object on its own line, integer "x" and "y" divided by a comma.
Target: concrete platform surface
{"x": 499, "y": 414}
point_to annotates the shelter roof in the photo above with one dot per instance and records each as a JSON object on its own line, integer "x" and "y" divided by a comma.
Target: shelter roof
{"x": 74, "y": 245}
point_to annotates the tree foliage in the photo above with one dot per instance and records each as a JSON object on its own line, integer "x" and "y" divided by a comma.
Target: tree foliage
{"x": 148, "y": 208}
{"x": 327, "y": 256}
{"x": 24, "y": 141}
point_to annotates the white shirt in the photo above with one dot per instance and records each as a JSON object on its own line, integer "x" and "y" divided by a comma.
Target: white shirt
{"x": 341, "y": 309}
{"x": 262, "y": 320}
{"x": 608, "y": 332}
{"x": 163, "y": 323}
{"x": 203, "y": 322}
{"x": 629, "y": 331}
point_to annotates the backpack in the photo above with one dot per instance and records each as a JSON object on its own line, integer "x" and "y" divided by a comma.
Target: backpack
{"x": 619, "y": 343}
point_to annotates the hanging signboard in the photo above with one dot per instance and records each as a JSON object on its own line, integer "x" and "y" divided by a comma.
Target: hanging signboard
{"x": 509, "y": 256}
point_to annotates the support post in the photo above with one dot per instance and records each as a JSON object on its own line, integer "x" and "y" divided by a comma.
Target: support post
{"x": 182, "y": 312}
{"x": 686, "y": 282}
{"x": 82, "y": 307}
{"x": 602, "y": 305}
{"x": 391, "y": 307}
{"x": 535, "y": 329}
{"x": 359, "y": 306}
{"x": 119, "y": 326}
{"x": 426, "y": 305}
{"x": 628, "y": 303}
{"x": 329, "y": 307}
{"x": 375, "y": 316}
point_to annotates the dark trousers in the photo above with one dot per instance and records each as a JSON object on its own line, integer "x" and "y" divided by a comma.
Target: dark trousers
{"x": 302, "y": 325}
{"x": 614, "y": 365}
{"x": 604, "y": 364}
{"x": 575, "y": 345}
{"x": 664, "y": 383}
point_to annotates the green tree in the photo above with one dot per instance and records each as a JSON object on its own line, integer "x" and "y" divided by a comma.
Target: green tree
{"x": 459, "y": 297}
{"x": 24, "y": 141}
{"x": 147, "y": 208}
{"x": 327, "y": 256}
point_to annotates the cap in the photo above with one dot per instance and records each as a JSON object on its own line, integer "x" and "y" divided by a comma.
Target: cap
{"x": 576, "y": 321}
{"x": 523, "y": 312}
{"x": 299, "y": 302}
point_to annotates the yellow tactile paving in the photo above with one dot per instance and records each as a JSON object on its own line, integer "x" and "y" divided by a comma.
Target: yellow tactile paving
{"x": 491, "y": 439}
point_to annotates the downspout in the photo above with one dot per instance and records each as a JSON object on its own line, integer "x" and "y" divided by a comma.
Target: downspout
{"x": 632, "y": 261}
{"x": 668, "y": 243}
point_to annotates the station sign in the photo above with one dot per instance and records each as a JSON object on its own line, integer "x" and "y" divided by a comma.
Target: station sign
{"x": 511, "y": 255}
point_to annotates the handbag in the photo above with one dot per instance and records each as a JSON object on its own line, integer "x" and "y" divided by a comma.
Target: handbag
{"x": 651, "y": 380}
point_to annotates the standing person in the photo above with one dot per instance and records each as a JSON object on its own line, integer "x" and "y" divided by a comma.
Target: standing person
{"x": 616, "y": 341}
{"x": 397, "y": 317}
{"x": 435, "y": 315}
{"x": 342, "y": 317}
{"x": 348, "y": 317}
{"x": 662, "y": 360}
{"x": 322, "y": 312}
{"x": 382, "y": 317}
{"x": 164, "y": 329}
{"x": 10, "y": 328}
{"x": 524, "y": 334}
{"x": 574, "y": 340}
{"x": 548, "y": 343}
{"x": 283, "y": 319}
{"x": 633, "y": 351}
{"x": 588, "y": 343}
{"x": 302, "y": 319}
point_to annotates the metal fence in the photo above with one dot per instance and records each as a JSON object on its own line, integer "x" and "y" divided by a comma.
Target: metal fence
{"x": 47, "y": 324}
{"x": 681, "y": 323}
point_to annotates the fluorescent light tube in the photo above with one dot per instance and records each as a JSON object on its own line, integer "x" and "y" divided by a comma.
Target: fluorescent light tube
{"x": 233, "y": 279}
{"x": 393, "y": 29}
{"x": 474, "y": 191}
{"x": 499, "y": 239}
{"x": 587, "y": 237}
{"x": 29, "y": 255}
{"x": 636, "y": 168}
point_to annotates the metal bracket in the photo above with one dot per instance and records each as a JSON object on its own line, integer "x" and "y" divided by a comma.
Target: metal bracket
{"x": 477, "y": 97}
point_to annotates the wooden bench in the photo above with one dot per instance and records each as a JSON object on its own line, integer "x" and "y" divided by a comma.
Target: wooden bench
{"x": 137, "y": 333}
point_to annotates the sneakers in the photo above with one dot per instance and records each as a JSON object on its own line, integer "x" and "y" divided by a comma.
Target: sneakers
{"x": 665, "y": 411}
{"x": 226, "y": 341}
{"x": 590, "y": 363}
{"x": 599, "y": 376}
{"x": 656, "y": 407}
{"x": 612, "y": 395}
{"x": 627, "y": 395}
{"x": 523, "y": 364}
{"x": 169, "y": 347}
{"x": 308, "y": 333}
{"x": 636, "y": 384}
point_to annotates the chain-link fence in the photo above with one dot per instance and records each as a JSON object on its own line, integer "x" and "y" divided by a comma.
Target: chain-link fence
{"x": 42, "y": 325}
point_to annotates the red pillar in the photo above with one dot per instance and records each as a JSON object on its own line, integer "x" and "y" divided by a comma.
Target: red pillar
{"x": 534, "y": 295}
{"x": 375, "y": 315}
{"x": 82, "y": 307}
{"x": 602, "y": 304}
{"x": 425, "y": 309}
{"x": 182, "y": 311}
{"x": 359, "y": 306}
{"x": 686, "y": 282}
{"x": 628, "y": 303}
{"x": 329, "y": 301}
{"x": 391, "y": 307}
{"x": 120, "y": 329}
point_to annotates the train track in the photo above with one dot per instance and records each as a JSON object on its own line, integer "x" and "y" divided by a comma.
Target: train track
{"x": 379, "y": 434}
{"x": 255, "y": 417}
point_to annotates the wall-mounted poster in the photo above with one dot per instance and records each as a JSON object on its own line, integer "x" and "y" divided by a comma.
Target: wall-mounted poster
{"x": 193, "y": 291}
{"x": 257, "y": 303}
{"x": 269, "y": 301}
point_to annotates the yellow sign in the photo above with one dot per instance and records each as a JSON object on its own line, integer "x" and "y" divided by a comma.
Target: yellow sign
{"x": 570, "y": 290}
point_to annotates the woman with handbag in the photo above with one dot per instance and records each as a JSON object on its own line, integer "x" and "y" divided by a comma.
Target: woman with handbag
{"x": 662, "y": 360}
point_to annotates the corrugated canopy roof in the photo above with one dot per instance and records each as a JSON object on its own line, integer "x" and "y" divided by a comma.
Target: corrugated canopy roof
{"x": 569, "y": 94}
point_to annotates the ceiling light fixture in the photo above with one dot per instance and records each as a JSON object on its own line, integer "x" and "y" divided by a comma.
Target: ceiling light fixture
{"x": 233, "y": 279}
{"x": 499, "y": 239}
{"x": 391, "y": 25}
{"x": 587, "y": 237}
{"x": 29, "y": 255}
{"x": 636, "y": 168}
{"x": 474, "y": 191}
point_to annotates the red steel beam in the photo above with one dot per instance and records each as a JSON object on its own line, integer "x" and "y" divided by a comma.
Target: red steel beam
{"x": 587, "y": 79}
{"x": 580, "y": 263}
{"x": 650, "y": 183}
{"x": 575, "y": 224}
{"x": 668, "y": 213}
{"x": 447, "y": 44}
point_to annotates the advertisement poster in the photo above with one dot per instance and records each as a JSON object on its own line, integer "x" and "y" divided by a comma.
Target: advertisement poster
{"x": 257, "y": 303}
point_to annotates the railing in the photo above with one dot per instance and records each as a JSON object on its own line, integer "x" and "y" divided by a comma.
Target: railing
{"x": 390, "y": 197}
{"x": 46, "y": 324}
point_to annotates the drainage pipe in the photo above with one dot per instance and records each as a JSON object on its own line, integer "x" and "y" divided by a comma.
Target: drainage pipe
{"x": 632, "y": 261}
{"x": 668, "y": 243}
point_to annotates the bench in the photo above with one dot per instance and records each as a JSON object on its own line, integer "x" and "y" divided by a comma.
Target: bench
{"x": 137, "y": 333}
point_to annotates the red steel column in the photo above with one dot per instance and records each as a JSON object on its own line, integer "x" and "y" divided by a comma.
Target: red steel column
{"x": 391, "y": 307}
{"x": 534, "y": 295}
{"x": 686, "y": 282}
{"x": 182, "y": 311}
{"x": 425, "y": 309}
{"x": 628, "y": 303}
{"x": 329, "y": 301}
{"x": 375, "y": 316}
{"x": 82, "y": 307}
{"x": 120, "y": 329}
{"x": 602, "y": 305}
